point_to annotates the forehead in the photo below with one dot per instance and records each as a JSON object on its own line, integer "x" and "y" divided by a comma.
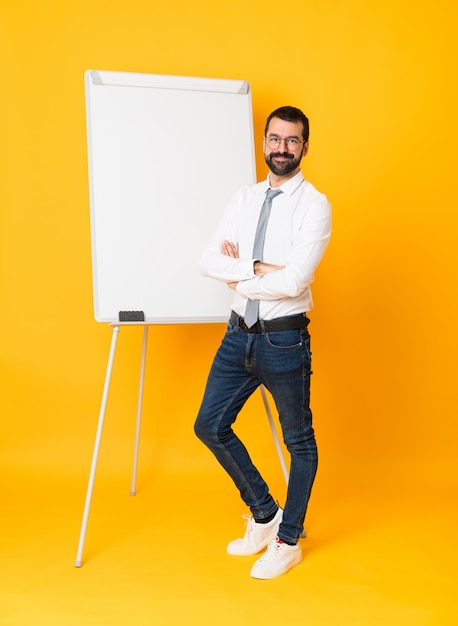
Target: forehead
{"x": 284, "y": 129}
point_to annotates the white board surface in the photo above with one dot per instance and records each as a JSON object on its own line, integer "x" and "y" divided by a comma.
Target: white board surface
{"x": 165, "y": 154}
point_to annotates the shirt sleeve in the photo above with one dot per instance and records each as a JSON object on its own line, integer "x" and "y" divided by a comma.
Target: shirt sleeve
{"x": 213, "y": 262}
{"x": 308, "y": 246}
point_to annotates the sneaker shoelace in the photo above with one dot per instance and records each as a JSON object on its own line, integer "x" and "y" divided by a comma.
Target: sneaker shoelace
{"x": 273, "y": 551}
{"x": 249, "y": 526}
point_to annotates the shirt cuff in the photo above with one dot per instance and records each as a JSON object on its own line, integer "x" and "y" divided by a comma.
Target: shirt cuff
{"x": 248, "y": 288}
{"x": 247, "y": 269}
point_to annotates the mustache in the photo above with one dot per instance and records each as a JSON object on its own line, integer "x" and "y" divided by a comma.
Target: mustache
{"x": 285, "y": 155}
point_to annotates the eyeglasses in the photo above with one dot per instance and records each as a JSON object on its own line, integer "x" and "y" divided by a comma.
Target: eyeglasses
{"x": 292, "y": 143}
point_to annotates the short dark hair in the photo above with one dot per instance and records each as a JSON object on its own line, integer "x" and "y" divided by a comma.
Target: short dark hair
{"x": 290, "y": 114}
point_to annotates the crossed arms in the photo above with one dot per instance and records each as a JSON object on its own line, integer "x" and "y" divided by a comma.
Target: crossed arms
{"x": 260, "y": 269}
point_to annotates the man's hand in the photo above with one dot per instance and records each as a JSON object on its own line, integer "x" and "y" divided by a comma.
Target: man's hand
{"x": 261, "y": 269}
{"x": 230, "y": 249}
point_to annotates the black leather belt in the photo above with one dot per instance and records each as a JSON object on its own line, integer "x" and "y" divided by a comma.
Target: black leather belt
{"x": 289, "y": 322}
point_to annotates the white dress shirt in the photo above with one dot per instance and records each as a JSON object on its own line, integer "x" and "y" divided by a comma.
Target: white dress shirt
{"x": 297, "y": 234}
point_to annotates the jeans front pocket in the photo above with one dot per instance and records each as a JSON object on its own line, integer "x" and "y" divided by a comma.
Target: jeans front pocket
{"x": 284, "y": 339}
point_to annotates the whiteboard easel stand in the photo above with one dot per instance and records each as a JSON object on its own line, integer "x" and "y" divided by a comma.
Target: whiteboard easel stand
{"x": 98, "y": 438}
{"x": 133, "y": 488}
{"x": 95, "y": 454}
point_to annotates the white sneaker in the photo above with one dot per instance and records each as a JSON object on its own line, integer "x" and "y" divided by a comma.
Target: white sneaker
{"x": 257, "y": 536}
{"x": 278, "y": 559}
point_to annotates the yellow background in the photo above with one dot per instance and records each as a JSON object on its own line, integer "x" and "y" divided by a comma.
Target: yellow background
{"x": 378, "y": 82}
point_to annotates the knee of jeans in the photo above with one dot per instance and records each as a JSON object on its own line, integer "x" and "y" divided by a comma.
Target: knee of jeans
{"x": 306, "y": 449}
{"x": 202, "y": 430}
{"x": 297, "y": 442}
{"x": 199, "y": 430}
{"x": 209, "y": 431}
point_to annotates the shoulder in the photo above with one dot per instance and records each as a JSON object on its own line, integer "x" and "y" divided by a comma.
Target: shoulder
{"x": 311, "y": 195}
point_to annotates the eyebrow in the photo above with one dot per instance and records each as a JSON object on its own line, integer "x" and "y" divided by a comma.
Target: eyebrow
{"x": 289, "y": 136}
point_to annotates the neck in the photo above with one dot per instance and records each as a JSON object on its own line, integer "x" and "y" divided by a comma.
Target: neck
{"x": 277, "y": 181}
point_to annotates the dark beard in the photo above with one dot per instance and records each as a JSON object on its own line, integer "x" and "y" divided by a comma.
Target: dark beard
{"x": 284, "y": 168}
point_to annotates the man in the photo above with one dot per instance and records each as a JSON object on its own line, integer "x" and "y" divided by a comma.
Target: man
{"x": 274, "y": 278}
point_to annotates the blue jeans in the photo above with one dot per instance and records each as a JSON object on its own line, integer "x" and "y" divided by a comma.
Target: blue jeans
{"x": 281, "y": 361}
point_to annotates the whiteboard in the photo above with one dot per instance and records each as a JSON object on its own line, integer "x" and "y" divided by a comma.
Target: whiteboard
{"x": 165, "y": 153}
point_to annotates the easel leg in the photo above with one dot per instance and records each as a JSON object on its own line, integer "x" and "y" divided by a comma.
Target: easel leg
{"x": 95, "y": 454}
{"x": 133, "y": 489}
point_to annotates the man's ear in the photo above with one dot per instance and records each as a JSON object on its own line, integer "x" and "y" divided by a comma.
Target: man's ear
{"x": 305, "y": 149}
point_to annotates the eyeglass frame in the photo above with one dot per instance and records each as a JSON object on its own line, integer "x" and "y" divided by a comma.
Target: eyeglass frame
{"x": 286, "y": 140}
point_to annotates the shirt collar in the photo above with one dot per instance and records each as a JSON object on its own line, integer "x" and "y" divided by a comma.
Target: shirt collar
{"x": 290, "y": 186}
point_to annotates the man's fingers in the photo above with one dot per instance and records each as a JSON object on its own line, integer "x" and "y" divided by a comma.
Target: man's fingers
{"x": 229, "y": 249}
